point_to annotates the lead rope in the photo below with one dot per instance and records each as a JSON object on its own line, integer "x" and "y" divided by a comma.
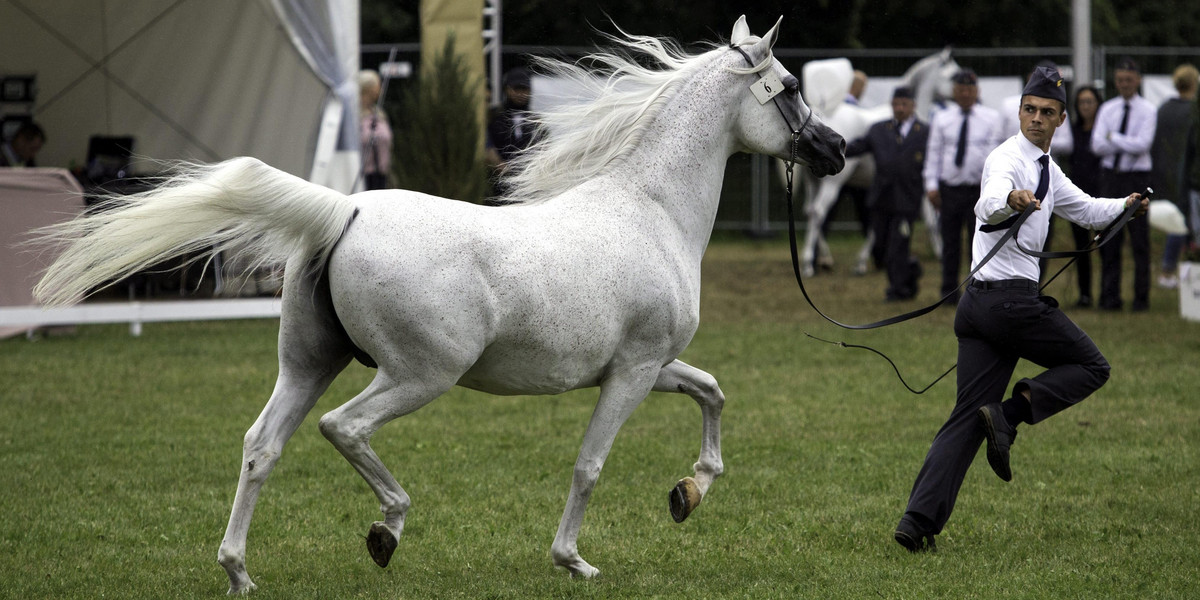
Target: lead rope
{"x": 794, "y": 155}
{"x": 1099, "y": 240}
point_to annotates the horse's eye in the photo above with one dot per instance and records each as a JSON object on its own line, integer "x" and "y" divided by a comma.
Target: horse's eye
{"x": 791, "y": 84}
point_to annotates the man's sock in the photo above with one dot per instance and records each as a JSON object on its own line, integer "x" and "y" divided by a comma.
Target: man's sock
{"x": 1016, "y": 410}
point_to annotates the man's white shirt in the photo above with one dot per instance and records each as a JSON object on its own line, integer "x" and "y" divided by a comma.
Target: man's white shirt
{"x": 1134, "y": 144}
{"x": 1014, "y": 166}
{"x": 984, "y": 132}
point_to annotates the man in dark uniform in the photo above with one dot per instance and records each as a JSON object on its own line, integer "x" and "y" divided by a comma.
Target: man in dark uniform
{"x": 510, "y": 131}
{"x": 898, "y": 146}
{"x": 1002, "y": 318}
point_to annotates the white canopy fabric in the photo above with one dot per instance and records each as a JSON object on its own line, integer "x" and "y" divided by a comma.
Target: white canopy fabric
{"x": 200, "y": 80}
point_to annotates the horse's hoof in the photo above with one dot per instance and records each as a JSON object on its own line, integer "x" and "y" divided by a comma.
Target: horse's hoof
{"x": 684, "y": 499}
{"x": 587, "y": 572}
{"x": 381, "y": 543}
{"x": 241, "y": 590}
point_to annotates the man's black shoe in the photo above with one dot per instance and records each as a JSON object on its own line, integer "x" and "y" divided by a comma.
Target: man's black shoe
{"x": 913, "y": 538}
{"x": 1000, "y": 436}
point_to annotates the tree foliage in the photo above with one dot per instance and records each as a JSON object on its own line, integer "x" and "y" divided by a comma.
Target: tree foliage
{"x": 437, "y": 132}
{"x": 822, "y": 23}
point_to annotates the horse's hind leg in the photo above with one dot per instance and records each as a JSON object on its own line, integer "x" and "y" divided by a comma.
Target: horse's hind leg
{"x": 863, "y": 264}
{"x": 350, "y": 427}
{"x": 685, "y": 379}
{"x": 312, "y": 351}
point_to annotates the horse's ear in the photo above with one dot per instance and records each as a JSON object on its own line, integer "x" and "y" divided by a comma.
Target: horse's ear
{"x": 768, "y": 41}
{"x": 741, "y": 31}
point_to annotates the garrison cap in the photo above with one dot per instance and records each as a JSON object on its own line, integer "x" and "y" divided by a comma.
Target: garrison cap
{"x": 1128, "y": 64}
{"x": 965, "y": 76}
{"x": 902, "y": 92}
{"x": 1045, "y": 82}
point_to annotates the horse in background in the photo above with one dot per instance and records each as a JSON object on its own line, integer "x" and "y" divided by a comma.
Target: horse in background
{"x": 589, "y": 278}
{"x": 826, "y": 84}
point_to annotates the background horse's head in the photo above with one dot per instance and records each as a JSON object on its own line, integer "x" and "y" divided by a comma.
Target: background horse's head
{"x": 770, "y": 118}
{"x": 930, "y": 78}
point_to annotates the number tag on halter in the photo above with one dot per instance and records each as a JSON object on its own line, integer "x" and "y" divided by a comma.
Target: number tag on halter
{"x": 766, "y": 88}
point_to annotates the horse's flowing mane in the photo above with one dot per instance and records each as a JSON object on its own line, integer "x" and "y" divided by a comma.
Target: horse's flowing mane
{"x": 578, "y": 141}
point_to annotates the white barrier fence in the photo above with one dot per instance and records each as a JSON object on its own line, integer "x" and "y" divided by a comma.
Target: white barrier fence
{"x": 137, "y": 313}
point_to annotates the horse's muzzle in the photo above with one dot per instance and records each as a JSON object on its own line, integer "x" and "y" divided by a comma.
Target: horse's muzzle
{"x": 828, "y": 159}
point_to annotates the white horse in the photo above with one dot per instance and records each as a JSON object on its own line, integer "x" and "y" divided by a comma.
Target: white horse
{"x": 593, "y": 279}
{"x": 826, "y": 83}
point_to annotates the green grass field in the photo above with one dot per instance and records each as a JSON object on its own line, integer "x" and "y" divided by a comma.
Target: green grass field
{"x": 119, "y": 459}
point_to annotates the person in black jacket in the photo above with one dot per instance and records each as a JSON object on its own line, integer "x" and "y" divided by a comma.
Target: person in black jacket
{"x": 894, "y": 201}
{"x": 22, "y": 149}
{"x": 509, "y": 131}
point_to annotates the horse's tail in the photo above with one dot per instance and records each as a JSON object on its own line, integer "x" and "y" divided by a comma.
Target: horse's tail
{"x": 240, "y": 204}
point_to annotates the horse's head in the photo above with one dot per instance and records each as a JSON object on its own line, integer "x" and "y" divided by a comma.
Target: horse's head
{"x": 932, "y": 80}
{"x": 772, "y": 112}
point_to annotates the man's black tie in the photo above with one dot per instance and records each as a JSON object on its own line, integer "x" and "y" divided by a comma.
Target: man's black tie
{"x": 1039, "y": 193}
{"x": 1124, "y": 126}
{"x": 961, "y": 152}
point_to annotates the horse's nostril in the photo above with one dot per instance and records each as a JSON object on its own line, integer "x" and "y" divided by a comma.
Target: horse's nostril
{"x": 842, "y": 146}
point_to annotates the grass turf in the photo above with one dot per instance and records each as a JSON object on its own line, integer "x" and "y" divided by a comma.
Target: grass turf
{"x": 119, "y": 459}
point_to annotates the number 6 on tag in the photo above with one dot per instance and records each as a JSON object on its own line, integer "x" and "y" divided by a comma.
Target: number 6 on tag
{"x": 766, "y": 88}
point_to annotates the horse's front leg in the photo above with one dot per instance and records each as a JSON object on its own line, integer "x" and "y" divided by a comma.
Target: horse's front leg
{"x": 683, "y": 378}
{"x": 619, "y": 395}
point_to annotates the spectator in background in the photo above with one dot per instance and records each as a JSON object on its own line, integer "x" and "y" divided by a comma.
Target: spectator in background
{"x": 1085, "y": 172}
{"x": 858, "y": 85}
{"x": 1124, "y": 131}
{"x": 959, "y": 142}
{"x": 1193, "y": 170}
{"x": 375, "y": 131}
{"x": 1170, "y": 155}
{"x": 898, "y": 146}
{"x": 857, "y": 195}
{"x": 22, "y": 149}
{"x": 510, "y": 131}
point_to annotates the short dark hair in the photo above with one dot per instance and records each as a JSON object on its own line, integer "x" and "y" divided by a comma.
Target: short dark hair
{"x": 29, "y": 130}
{"x": 965, "y": 76}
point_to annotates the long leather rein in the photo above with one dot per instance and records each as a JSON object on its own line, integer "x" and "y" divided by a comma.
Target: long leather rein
{"x": 1011, "y": 234}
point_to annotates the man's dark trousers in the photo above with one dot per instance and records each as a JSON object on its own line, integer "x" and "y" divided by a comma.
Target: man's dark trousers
{"x": 1118, "y": 185}
{"x": 893, "y": 233}
{"x": 998, "y": 323}
{"x": 957, "y": 213}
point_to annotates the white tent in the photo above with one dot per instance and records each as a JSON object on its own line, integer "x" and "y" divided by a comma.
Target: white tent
{"x": 192, "y": 79}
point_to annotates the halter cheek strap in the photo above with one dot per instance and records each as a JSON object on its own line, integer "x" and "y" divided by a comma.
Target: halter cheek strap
{"x": 795, "y": 149}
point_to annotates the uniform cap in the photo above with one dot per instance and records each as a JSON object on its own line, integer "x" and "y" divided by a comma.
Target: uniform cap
{"x": 1045, "y": 82}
